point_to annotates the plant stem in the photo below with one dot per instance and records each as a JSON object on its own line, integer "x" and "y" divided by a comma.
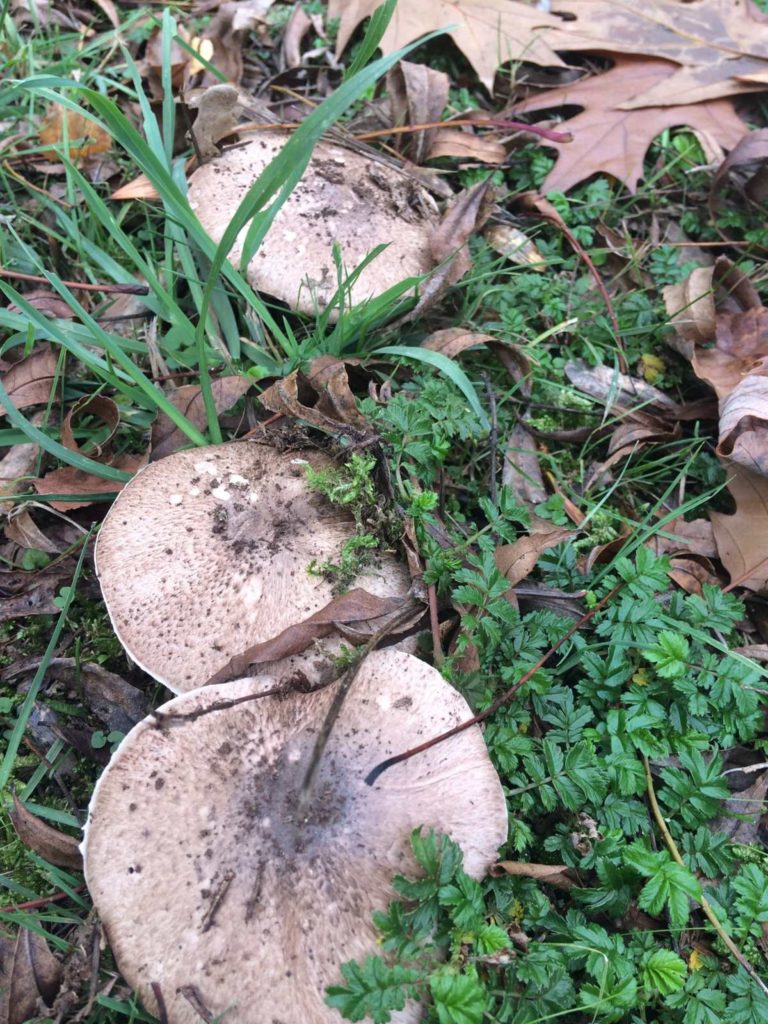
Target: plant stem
{"x": 704, "y": 903}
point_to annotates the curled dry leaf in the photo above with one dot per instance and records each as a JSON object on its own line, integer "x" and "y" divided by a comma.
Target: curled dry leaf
{"x": 29, "y": 972}
{"x": 751, "y": 149}
{"x": 18, "y": 462}
{"x": 326, "y": 401}
{"x": 166, "y": 436}
{"x": 618, "y": 390}
{"x": 744, "y": 424}
{"x": 741, "y": 538}
{"x": 101, "y": 408}
{"x": 418, "y": 95}
{"x": 56, "y": 847}
{"x": 24, "y": 531}
{"x": 559, "y": 875}
{"x": 692, "y": 572}
{"x": 297, "y": 27}
{"x": 29, "y": 382}
{"x": 465, "y": 144}
{"x": 139, "y": 187}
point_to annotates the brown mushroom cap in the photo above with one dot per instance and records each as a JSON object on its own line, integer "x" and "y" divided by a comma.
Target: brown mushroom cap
{"x": 201, "y": 874}
{"x": 205, "y": 553}
{"x": 343, "y": 197}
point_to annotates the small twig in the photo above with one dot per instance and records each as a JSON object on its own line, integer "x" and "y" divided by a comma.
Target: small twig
{"x": 42, "y": 901}
{"x": 462, "y": 122}
{"x": 192, "y": 994}
{"x": 380, "y": 768}
{"x": 437, "y": 648}
{"x": 165, "y": 719}
{"x": 399, "y": 617}
{"x": 120, "y": 289}
{"x": 217, "y": 899}
{"x": 157, "y": 992}
{"x": 704, "y": 903}
{"x": 493, "y": 439}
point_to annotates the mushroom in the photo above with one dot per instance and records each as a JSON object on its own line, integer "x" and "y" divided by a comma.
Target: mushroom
{"x": 205, "y": 553}
{"x": 343, "y": 197}
{"x": 211, "y": 892}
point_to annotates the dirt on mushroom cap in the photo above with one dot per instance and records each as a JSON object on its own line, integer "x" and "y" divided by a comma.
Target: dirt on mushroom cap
{"x": 205, "y": 553}
{"x": 343, "y": 197}
{"x": 201, "y": 875}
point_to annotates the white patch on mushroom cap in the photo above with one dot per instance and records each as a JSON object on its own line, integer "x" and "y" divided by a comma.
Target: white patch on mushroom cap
{"x": 208, "y": 468}
{"x": 175, "y": 499}
{"x": 221, "y": 494}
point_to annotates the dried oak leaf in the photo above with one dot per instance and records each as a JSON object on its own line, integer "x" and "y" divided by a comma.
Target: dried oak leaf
{"x": 610, "y": 138}
{"x": 717, "y": 44}
{"x": 515, "y": 561}
{"x": 29, "y": 974}
{"x": 31, "y": 593}
{"x": 742, "y": 538}
{"x": 488, "y": 32}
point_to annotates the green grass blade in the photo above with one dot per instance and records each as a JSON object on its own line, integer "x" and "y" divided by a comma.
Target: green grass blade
{"x": 17, "y": 732}
{"x": 448, "y": 366}
{"x": 377, "y": 26}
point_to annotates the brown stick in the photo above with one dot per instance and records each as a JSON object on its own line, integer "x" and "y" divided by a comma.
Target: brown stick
{"x": 42, "y": 901}
{"x": 380, "y": 768}
{"x": 119, "y": 289}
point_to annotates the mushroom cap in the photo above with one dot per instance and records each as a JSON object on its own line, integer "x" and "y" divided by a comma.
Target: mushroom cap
{"x": 202, "y": 876}
{"x": 343, "y": 197}
{"x": 205, "y": 553}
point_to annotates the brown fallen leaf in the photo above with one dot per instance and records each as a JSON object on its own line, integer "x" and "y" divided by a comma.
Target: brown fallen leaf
{"x": 47, "y": 302}
{"x": 356, "y": 607}
{"x": 56, "y": 847}
{"x": 742, "y": 538}
{"x": 418, "y": 95}
{"x": 465, "y": 144}
{"x": 29, "y": 973}
{"x": 716, "y": 44}
{"x": 76, "y": 482}
{"x": 742, "y": 814}
{"x": 559, "y": 875}
{"x": 521, "y": 473}
{"x": 744, "y": 423}
{"x": 328, "y": 405}
{"x": 188, "y": 399}
{"x": 515, "y": 561}
{"x": 515, "y": 245}
{"x": 64, "y": 127}
{"x": 488, "y": 32}
{"x": 18, "y": 463}
{"x": 691, "y": 573}
{"x": 30, "y": 380}
{"x": 24, "y": 531}
{"x": 297, "y": 27}
{"x": 139, "y": 187}
{"x": 31, "y": 593}
{"x": 611, "y": 139}
{"x": 619, "y": 390}
{"x": 719, "y": 304}
{"x": 216, "y": 117}
{"x": 98, "y": 407}
{"x": 751, "y": 149}
{"x": 227, "y": 32}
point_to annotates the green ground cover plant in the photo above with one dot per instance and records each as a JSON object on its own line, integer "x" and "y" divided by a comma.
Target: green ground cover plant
{"x": 619, "y": 752}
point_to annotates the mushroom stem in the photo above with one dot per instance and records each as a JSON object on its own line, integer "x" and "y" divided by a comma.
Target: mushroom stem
{"x": 396, "y": 619}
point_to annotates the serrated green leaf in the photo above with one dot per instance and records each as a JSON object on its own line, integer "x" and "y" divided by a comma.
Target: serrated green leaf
{"x": 663, "y": 972}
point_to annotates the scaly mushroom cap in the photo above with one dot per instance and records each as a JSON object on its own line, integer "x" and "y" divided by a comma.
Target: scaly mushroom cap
{"x": 343, "y": 197}
{"x": 208, "y": 887}
{"x": 205, "y": 553}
